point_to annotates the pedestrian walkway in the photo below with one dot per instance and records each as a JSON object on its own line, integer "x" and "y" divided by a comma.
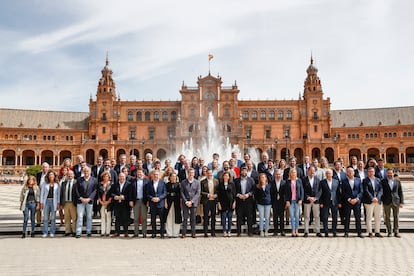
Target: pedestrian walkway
{"x": 207, "y": 256}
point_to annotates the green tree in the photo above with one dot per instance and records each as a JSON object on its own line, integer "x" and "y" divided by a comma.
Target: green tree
{"x": 33, "y": 170}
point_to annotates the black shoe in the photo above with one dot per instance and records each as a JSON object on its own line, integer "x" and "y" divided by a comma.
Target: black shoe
{"x": 32, "y": 235}
{"x": 275, "y": 234}
{"x": 397, "y": 235}
{"x": 89, "y": 235}
{"x": 213, "y": 234}
{"x": 205, "y": 235}
{"x": 305, "y": 235}
{"x": 282, "y": 234}
{"x": 78, "y": 236}
{"x": 378, "y": 235}
{"x": 23, "y": 235}
{"x": 162, "y": 236}
{"x": 37, "y": 224}
{"x": 389, "y": 235}
{"x": 326, "y": 235}
{"x": 334, "y": 234}
{"x": 318, "y": 235}
{"x": 193, "y": 236}
{"x": 346, "y": 235}
{"x": 73, "y": 234}
{"x": 153, "y": 236}
{"x": 144, "y": 236}
{"x": 67, "y": 234}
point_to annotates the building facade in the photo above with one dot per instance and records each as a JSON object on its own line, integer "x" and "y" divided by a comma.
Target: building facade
{"x": 280, "y": 127}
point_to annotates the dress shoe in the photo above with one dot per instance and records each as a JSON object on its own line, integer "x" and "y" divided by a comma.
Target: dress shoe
{"x": 73, "y": 234}
{"x": 389, "y": 235}
{"x": 346, "y": 235}
{"x": 153, "y": 236}
{"x": 238, "y": 235}
{"x": 32, "y": 235}
{"x": 144, "y": 236}
{"x": 318, "y": 235}
{"x": 250, "y": 234}
{"x": 378, "y": 235}
{"x": 360, "y": 236}
{"x": 89, "y": 235}
{"x": 67, "y": 234}
{"x": 23, "y": 235}
{"x": 370, "y": 235}
{"x": 205, "y": 235}
{"x": 135, "y": 236}
{"x": 305, "y": 235}
{"x": 334, "y": 234}
{"x": 115, "y": 235}
{"x": 126, "y": 236}
{"x": 162, "y": 236}
{"x": 213, "y": 234}
{"x": 275, "y": 234}
{"x": 183, "y": 236}
{"x": 326, "y": 235}
{"x": 282, "y": 234}
{"x": 78, "y": 236}
{"x": 193, "y": 236}
{"x": 397, "y": 235}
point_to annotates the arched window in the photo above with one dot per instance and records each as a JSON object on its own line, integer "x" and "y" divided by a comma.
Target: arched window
{"x": 173, "y": 116}
{"x": 156, "y": 116}
{"x": 164, "y": 116}
{"x": 289, "y": 115}
{"x": 147, "y": 116}
{"x": 130, "y": 116}
{"x": 139, "y": 116}
{"x": 280, "y": 115}
{"x": 271, "y": 115}
{"x": 263, "y": 115}
{"x": 246, "y": 115}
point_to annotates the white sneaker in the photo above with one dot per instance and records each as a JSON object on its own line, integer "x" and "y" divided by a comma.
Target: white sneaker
{"x": 52, "y": 235}
{"x": 44, "y": 235}
{"x": 266, "y": 233}
{"x": 261, "y": 234}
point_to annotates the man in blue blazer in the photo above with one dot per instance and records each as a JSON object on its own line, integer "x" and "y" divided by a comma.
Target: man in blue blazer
{"x": 352, "y": 192}
{"x": 372, "y": 201}
{"x": 330, "y": 200}
{"x": 85, "y": 193}
{"x": 156, "y": 194}
{"x": 244, "y": 201}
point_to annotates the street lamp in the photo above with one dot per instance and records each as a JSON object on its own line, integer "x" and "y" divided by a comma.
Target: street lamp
{"x": 287, "y": 138}
{"x": 143, "y": 143}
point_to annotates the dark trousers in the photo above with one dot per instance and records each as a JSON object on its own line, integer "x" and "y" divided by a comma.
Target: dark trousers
{"x": 244, "y": 213}
{"x": 357, "y": 214}
{"x": 192, "y": 213}
{"x": 122, "y": 214}
{"x": 278, "y": 216}
{"x": 96, "y": 207}
{"x": 154, "y": 212}
{"x": 325, "y": 215}
{"x": 209, "y": 207}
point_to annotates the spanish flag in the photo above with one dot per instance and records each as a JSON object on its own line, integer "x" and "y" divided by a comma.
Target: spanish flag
{"x": 210, "y": 57}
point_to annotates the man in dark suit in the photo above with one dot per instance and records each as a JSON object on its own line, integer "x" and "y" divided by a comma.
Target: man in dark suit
{"x": 209, "y": 200}
{"x": 68, "y": 200}
{"x": 156, "y": 194}
{"x": 393, "y": 199}
{"x": 139, "y": 196}
{"x": 330, "y": 200}
{"x": 122, "y": 203}
{"x": 360, "y": 171}
{"x": 85, "y": 193}
{"x": 292, "y": 164}
{"x": 98, "y": 169}
{"x": 380, "y": 170}
{"x": 244, "y": 201}
{"x": 112, "y": 172}
{"x": 372, "y": 201}
{"x": 190, "y": 194}
{"x": 277, "y": 192}
{"x": 78, "y": 169}
{"x": 251, "y": 172}
{"x": 184, "y": 171}
{"x": 340, "y": 175}
{"x": 305, "y": 165}
{"x": 262, "y": 166}
{"x": 313, "y": 192}
{"x": 122, "y": 163}
{"x": 352, "y": 192}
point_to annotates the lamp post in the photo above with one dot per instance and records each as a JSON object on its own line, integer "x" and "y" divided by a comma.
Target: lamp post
{"x": 287, "y": 138}
{"x": 143, "y": 143}
{"x": 276, "y": 141}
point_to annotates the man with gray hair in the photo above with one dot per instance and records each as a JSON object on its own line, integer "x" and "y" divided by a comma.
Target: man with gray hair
{"x": 329, "y": 201}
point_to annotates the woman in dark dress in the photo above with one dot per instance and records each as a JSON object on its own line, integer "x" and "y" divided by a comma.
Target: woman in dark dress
{"x": 226, "y": 192}
{"x": 172, "y": 206}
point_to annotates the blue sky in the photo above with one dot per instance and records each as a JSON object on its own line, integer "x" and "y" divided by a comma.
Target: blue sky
{"x": 53, "y": 51}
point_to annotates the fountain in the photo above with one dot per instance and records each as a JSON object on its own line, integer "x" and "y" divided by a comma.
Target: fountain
{"x": 214, "y": 142}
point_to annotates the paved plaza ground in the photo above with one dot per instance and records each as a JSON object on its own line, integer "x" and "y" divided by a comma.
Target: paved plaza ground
{"x": 202, "y": 256}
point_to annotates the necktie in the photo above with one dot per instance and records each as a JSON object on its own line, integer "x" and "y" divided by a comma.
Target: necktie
{"x": 68, "y": 193}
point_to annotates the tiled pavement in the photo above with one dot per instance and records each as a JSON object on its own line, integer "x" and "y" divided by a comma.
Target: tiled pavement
{"x": 202, "y": 256}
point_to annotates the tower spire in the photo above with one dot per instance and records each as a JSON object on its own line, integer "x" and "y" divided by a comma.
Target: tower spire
{"x": 107, "y": 58}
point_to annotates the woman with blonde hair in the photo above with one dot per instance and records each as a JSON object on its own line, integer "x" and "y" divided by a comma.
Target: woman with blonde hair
{"x": 105, "y": 200}
{"x": 29, "y": 203}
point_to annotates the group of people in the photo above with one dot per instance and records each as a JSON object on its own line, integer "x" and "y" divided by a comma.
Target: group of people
{"x": 176, "y": 195}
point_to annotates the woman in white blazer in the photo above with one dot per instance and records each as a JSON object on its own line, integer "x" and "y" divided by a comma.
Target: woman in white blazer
{"x": 49, "y": 202}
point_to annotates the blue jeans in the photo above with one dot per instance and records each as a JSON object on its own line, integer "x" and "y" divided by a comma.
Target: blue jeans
{"x": 80, "y": 210}
{"x": 264, "y": 216}
{"x": 30, "y": 207}
{"x": 49, "y": 209}
{"x": 226, "y": 217}
{"x": 294, "y": 214}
